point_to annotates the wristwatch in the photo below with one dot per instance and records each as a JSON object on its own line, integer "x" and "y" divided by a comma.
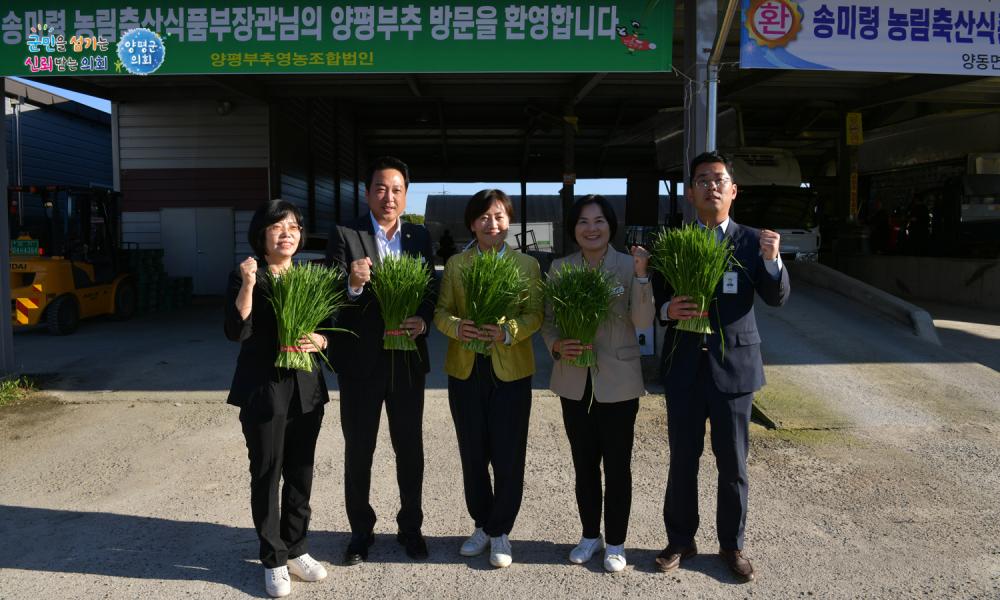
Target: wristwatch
{"x": 555, "y": 353}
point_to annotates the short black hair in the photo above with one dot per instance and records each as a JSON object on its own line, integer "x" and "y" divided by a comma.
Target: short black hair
{"x": 712, "y": 157}
{"x": 268, "y": 214}
{"x": 481, "y": 202}
{"x": 577, "y": 208}
{"x": 388, "y": 162}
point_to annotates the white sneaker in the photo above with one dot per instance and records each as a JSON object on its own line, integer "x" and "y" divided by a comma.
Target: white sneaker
{"x": 614, "y": 559}
{"x": 585, "y": 549}
{"x": 500, "y": 555}
{"x": 306, "y": 568}
{"x": 277, "y": 582}
{"x": 476, "y": 544}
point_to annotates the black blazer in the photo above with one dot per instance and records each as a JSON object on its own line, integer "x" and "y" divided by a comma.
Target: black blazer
{"x": 740, "y": 369}
{"x": 259, "y": 388}
{"x": 358, "y": 356}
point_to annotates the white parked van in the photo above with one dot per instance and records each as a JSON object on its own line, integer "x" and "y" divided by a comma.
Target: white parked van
{"x": 770, "y": 196}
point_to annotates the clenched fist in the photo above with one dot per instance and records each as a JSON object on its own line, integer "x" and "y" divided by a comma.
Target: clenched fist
{"x": 770, "y": 241}
{"x": 248, "y": 270}
{"x": 640, "y": 260}
{"x": 361, "y": 272}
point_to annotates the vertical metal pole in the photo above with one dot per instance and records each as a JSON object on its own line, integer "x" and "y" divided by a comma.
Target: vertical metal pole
{"x": 713, "y": 104}
{"x": 700, "y": 26}
{"x": 713, "y": 73}
{"x": 357, "y": 164}
{"x": 338, "y": 141}
{"x": 569, "y": 174}
{"x": 524, "y": 212}
{"x": 6, "y": 329}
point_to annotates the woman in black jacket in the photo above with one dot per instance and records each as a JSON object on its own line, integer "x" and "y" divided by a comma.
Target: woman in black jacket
{"x": 280, "y": 409}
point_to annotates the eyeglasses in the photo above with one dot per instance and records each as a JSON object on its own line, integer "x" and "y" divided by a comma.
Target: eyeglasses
{"x": 290, "y": 228}
{"x": 706, "y": 184}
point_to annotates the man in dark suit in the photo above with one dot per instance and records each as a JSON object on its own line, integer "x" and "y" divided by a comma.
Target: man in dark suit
{"x": 368, "y": 374}
{"x": 714, "y": 376}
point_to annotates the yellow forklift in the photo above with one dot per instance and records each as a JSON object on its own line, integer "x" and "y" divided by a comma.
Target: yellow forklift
{"x": 65, "y": 263}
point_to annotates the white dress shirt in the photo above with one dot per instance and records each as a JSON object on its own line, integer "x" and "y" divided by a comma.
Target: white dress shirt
{"x": 384, "y": 245}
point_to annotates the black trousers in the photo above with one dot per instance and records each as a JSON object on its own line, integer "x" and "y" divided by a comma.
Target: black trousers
{"x": 604, "y": 434}
{"x": 729, "y": 415}
{"x": 283, "y": 446}
{"x": 491, "y": 422}
{"x": 402, "y": 391}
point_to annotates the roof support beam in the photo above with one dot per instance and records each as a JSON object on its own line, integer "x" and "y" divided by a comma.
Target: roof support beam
{"x": 586, "y": 88}
{"x": 611, "y": 135}
{"x": 914, "y": 85}
{"x": 444, "y": 136}
{"x": 747, "y": 80}
{"x": 241, "y": 87}
{"x": 411, "y": 80}
{"x": 74, "y": 84}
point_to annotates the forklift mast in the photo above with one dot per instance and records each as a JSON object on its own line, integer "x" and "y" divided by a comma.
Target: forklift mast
{"x": 77, "y": 223}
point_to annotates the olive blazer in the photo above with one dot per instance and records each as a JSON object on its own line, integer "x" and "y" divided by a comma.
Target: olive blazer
{"x": 510, "y": 362}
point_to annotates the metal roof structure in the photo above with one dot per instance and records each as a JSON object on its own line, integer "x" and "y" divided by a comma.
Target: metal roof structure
{"x": 483, "y": 127}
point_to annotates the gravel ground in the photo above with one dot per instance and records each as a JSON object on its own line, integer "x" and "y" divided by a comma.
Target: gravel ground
{"x": 127, "y": 478}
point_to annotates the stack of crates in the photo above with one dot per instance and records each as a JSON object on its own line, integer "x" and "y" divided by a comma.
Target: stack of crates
{"x": 176, "y": 293}
{"x": 154, "y": 289}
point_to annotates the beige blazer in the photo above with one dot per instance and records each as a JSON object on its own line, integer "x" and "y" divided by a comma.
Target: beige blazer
{"x": 618, "y": 374}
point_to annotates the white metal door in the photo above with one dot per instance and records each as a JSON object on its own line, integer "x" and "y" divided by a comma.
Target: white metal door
{"x": 177, "y": 235}
{"x": 198, "y": 243}
{"x": 214, "y": 250}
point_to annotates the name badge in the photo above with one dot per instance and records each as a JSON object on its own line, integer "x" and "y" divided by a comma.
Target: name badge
{"x": 729, "y": 283}
{"x": 618, "y": 291}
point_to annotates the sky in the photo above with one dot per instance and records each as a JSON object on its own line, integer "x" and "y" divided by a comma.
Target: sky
{"x": 98, "y": 103}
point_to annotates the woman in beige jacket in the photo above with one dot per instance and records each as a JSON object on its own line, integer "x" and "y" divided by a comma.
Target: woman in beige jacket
{"x": 600, "y": 404}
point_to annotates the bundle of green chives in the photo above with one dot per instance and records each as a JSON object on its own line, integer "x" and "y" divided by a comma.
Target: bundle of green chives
{"x": 493, "y": 286}
{"x": 693, "y": 261}
{"x": 581, "y": 300}
{"x": 399, "y": 283}
{"x": 304, "y": 297}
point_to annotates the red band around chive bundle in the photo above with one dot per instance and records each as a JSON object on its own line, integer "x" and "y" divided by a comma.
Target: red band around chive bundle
{"x": 292, "y": 349}
{"x": 397, "y": 332}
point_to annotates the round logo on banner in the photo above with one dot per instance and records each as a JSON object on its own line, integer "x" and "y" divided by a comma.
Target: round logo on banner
{"x": 774, "y": 23}
{"x": 141, "y": 51}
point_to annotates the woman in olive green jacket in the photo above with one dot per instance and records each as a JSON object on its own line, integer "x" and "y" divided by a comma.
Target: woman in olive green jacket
{"x": 490, "y": 396}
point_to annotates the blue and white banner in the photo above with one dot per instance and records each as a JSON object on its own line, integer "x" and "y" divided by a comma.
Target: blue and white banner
{"x": 956, "y": 37}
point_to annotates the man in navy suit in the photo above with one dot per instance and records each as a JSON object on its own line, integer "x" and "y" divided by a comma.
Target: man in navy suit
{"x": 713, "y": 377}
{"x": 370, "y": 376}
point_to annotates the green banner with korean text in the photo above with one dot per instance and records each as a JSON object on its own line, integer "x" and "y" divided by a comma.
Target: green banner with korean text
{"x": 254, "y": 36}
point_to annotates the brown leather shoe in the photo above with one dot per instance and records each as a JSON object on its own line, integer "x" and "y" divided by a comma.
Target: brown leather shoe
{"x": 672, "y": 555}
{"x": 738, "y": 564}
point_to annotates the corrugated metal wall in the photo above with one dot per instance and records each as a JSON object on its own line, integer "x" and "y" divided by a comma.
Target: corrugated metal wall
{"x": 57, "y": 147}
{"x": 316, "y": 160}
{"x": 291, "y": 150}
{"x": 323, "y": 141}
{"x": 351, "y": 160}
{"x": 188, "y": 154}
{"x": 192, "y": 154}
{"x": 192, "y": 135}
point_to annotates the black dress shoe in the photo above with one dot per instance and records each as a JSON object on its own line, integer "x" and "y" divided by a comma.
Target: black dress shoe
{"x": 414, "y": 544}
{"x": 357, "y": 548}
